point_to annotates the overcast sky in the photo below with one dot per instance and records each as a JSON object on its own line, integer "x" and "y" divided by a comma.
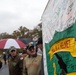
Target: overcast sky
{"x": 16, "y": 13}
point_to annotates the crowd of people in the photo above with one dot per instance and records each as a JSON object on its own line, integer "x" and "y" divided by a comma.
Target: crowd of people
{"x": 31, "y": 61}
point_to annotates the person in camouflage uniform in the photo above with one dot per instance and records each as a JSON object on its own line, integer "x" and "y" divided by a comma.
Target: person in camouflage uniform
{"x": 32, "y": 62}
{"x": 15, "y": 63}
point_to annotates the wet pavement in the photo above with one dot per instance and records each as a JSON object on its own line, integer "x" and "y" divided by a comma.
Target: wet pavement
{"x": 4, "y": 70}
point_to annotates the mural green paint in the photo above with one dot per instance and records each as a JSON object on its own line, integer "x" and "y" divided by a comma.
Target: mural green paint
{"x": 66, "y": 57}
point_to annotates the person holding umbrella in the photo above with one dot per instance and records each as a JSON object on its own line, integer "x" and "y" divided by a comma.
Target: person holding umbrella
{"x": 14, "y": 62}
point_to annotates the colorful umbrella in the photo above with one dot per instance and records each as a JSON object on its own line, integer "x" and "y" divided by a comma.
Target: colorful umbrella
{"x": 6, "y": 43}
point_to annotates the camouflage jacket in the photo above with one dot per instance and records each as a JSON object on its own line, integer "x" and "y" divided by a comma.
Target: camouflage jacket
{"x": 15, "y": 66}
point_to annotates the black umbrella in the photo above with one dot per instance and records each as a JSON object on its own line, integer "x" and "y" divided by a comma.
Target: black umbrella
{"x": 26, "y": 40}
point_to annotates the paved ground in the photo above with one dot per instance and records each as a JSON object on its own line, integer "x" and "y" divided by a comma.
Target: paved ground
{"x": 4, "y": 70}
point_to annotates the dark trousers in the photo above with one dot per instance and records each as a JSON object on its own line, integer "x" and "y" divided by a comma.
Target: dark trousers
{"x": 0, "y": 64}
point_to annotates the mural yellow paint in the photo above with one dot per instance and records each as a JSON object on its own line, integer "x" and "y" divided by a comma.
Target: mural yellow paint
{"x": 74, "y": 73}
{"x": 54, "y": 65}
{"x": 68, "y": 44}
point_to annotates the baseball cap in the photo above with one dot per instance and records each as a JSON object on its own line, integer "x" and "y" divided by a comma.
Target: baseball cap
{"x": 12, "y": 48}
{"x": 30, "y": 45}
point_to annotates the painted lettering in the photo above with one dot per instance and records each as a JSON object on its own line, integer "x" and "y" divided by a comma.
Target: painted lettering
{"x": 61, "y": 45}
